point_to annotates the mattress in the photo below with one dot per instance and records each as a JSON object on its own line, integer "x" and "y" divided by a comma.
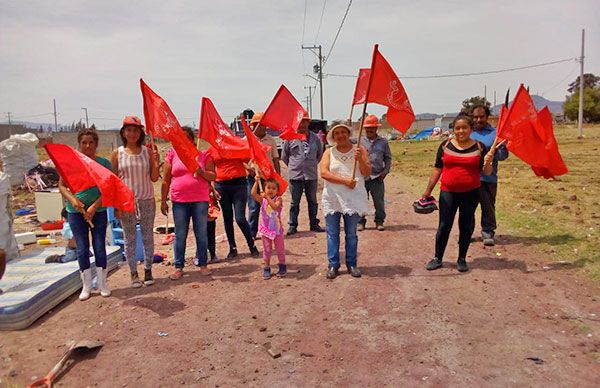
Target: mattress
{"x": 30, "y": 287}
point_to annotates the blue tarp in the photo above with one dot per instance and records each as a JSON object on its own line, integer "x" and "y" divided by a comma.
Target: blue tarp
{"x": 423, "y": 134}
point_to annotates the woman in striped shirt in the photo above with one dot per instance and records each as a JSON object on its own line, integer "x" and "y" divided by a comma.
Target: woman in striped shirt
{"x": 458, "y": 164}
{"x": 138, "y": 167}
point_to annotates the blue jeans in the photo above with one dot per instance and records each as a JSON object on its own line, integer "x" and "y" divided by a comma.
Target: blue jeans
{"x": 309, "y": 187}
{"x": 81, "y": 231}
{"x": 332, "y": 227}
{"x": 233, "y": 201}
{"x": 253, "y": 208}
{"x": 198, "y": 212}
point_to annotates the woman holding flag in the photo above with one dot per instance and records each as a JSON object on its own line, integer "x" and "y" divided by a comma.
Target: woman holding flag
{"x": 190, "y": 197}
{"x": 85, "y": 214}
{"x": 343, "y": 197}
{"x": 458, "y": 163}
{"x": 137, "y": 166}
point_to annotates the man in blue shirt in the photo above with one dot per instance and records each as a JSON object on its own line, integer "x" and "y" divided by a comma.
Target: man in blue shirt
{"x": 486, "y": 134}
{"x": 302, "y": 158}
{"x": 381, "y": 162}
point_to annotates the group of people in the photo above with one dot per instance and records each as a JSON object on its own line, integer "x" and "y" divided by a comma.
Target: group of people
{"x": 466, "y": 165}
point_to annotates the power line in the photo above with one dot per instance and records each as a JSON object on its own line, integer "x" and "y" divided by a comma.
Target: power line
{"x": 469, "y": 74}
{"x": 320, "y": 22}
{"x": 337, "y": 33}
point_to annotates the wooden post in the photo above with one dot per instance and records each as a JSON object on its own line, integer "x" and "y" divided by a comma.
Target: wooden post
{"x": 375, "y": 49}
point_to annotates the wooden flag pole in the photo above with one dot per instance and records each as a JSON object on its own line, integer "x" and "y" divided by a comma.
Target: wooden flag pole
{"x": 260, "y": 186}
{"x": 362, "y": 119}
{"x": 351, "y": 111}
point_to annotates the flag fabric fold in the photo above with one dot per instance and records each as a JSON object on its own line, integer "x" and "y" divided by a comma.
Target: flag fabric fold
{"x": 161, "y": 122}
{"x": 362, "y": 83}
{"x": 556, "y": 165}
{"x": 284, "y": 114}
{"x": 214, "y": 130}
{"x": 384, "y": 88}
{"x": 79, "y": 172}
{"x": 258, "y": 154}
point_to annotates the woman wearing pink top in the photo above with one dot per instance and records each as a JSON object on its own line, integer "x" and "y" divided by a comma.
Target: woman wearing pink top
{"x": 189, "y": 195}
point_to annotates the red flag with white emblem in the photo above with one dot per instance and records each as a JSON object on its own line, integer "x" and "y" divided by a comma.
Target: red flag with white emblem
{"x": 284, "y": 114}
{"x": 161, "y": 122}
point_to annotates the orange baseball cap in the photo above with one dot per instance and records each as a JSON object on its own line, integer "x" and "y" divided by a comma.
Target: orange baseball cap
{"x": 132, "y": 120}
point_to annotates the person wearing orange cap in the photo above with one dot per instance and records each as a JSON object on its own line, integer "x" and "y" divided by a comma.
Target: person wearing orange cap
{"x": 302, "y": 158}
{"x": 137, "y": 166}
{"x": 381, "y": 162}
{"x": 261, "y": 133}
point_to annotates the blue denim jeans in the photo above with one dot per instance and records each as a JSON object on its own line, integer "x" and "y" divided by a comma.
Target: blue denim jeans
{"x": 233, "y": 202}
{"x": 332, "y": 227}
{"x": 253, "y": 208}
{"x": 81, "y": 232}
{"x": 198, "y": 212}
{"x": 309, "y": 187}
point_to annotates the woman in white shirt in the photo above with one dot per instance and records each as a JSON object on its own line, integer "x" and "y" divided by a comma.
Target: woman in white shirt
{"x": 343, "y": 197}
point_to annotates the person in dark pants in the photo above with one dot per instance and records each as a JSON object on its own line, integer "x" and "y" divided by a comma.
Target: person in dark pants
{"x": 302, "y": 159}
{"x": 381, "y": 162}
{"x": 485, "y": 133}
{"x": 459, "y": 162}
{"x": 84, "y": 209}
{"x": 231, "y": 184}
{"x": 261, "y": 134}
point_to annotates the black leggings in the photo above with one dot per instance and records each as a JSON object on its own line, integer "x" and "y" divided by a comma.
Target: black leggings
{"x": 449, "y": 203}
{"x": 211, "y": 229}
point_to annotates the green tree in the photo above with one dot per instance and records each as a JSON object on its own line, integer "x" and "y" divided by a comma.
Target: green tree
{"x": 589, "y": 81}
{"x": 469, "y": 103}
{"x": 591, "y": 105}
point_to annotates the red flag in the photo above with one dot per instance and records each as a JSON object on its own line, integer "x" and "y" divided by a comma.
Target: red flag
{"x": 214, "y": 130}
{"x": 80, "y": 172}
{"x": 556, "y": 165}
{"x": 386, "y": 89}
{"x": 161, "y": 122}
{"x": 360, "y": 90}
{"x": 284, "y": 114}
{"x": 525, "y": 135}
{"x": 258, "y": 154}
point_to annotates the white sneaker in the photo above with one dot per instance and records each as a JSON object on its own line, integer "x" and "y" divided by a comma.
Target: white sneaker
{"x": 86, "y": 279}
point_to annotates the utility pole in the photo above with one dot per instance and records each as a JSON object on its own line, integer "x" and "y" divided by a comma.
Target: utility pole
{"x": 87, "y": 121}
{"x": 309, "y": 100}
{"x": 318, "y": 69}
{"x": 9, "y": 124}
{"x": 494, "y": 98}
{"x": 580, "y": 116}
{"x": 55, "y": 119}
{"x": 485, "y": 92}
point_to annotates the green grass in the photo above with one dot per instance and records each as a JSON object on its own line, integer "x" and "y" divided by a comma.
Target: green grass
{"x": 560, "y": 217}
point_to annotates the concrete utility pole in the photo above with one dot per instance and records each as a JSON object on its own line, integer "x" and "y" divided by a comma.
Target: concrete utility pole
{"x": 309, "y": 100}
{"x": 318, "y": 69}
{"x": 580, "y": 116}
{"x": 87, "y": 121}
{"x": 55, "y": 119}
{"x": 9, "y": 124}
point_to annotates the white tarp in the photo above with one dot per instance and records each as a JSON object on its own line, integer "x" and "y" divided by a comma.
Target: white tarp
{"x": 19, "y": 155}
{"x": 7, "y": 238}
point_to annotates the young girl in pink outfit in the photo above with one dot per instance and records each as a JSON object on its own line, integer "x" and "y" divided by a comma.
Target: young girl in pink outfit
{"x": 269, "y": 225}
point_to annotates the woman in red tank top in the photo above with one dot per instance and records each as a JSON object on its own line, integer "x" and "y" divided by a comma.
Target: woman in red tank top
{"x": 458, "y": 163}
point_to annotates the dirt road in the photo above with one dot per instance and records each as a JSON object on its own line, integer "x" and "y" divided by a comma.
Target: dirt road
{"x": 514, "y": 319}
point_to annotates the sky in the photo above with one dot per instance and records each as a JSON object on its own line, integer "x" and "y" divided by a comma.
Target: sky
{"x": 91, "y": 54}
